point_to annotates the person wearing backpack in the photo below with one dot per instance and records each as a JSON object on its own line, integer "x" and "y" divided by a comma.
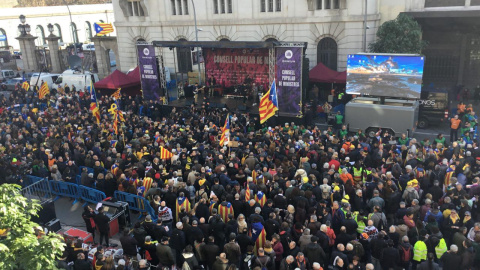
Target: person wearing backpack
{"x": 410, "y": 194}
{"x": 406, "y": 253}
{"x": 262, "y": 261}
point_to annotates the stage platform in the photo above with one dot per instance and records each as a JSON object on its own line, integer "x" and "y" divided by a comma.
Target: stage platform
{"x": 235, "y": 105}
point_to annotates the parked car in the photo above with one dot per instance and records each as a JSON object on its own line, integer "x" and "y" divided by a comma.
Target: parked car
{"x": 7, "y": 74}
{"x": 9, "y": 85}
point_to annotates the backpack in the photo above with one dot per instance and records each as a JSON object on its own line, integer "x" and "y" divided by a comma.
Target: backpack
{"x": 411, "y": 196}
{"x": 357, "y": 248}
{"x": 263, "y": 266}
{"x": 405, "y": 254}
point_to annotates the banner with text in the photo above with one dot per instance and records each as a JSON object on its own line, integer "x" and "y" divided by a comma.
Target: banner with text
{"x": 288, "y": 74}
{"x": 229, "y": 67}
{"x": 148, "y": 72}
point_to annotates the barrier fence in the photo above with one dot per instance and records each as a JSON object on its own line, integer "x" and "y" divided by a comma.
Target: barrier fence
{"x": 39, "y": 190}
{"x": 65, "y": 189}
{"x": 136, "y": 203}
{"x": 90, "y": 195}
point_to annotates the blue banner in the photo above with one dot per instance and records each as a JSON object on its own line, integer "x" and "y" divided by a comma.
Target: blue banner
{"x": 148, "y": 72}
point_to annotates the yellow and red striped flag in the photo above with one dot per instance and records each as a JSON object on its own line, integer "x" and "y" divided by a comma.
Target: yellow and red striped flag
{"x": 247, "y": 193}
{"x": 258, "y": 235}
{"x": 225, "y": 130}
{"x": 117, "y": 94}
{"x": 26, "y": 85}
{"x": 260, "y": 198}
{"x": 94, "y": 104}
{"x": 254, "y": 176}
{"x": 268, "y": 104}
{"x": 182, "y": 202}
{"x": 44, "y": 91}
{"x": 164, "y": 153}
{"x": 115, "y": 123}
{"x": 224, "y": 209}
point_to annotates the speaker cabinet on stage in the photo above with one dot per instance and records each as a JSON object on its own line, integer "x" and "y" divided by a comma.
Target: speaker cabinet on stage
{"x": 46, "y": 214}
{"x": 54, "y": 225}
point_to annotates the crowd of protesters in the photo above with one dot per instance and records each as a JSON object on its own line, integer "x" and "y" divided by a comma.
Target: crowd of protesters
{"x": 333, "y": 200}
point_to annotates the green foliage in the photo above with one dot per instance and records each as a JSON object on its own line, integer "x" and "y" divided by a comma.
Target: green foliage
{"x": 19, "y": 246}
{"x": 402, "y": 35}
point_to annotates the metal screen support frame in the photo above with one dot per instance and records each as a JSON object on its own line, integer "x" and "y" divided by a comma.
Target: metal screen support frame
{"x": 162, "y": 78}
{"x": 271, "y": 65}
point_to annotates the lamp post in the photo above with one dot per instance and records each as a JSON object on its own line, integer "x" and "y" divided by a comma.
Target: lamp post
{"x": 71, "y": 26}
{"x": 365, "y": 28}
{"x": 50, "y": 28}
{"x": 196, "y": 39}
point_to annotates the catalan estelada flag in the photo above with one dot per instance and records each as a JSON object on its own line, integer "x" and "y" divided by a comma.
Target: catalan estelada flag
{"x": 113, "y": 143}
{"x": 44, "y": 91}
{"x": 26, "y": 85}
{"x": 165, "y": 154}
{"x": 225, "y": 130}
{"x": 258, "y": 235}
{"x": 448, "y": 176}
{"x": 224, "y": 209}
{"x": 94, "y": 104}
{"x": 182, "y": 202}
{"x": 103, "y": 28}
{"x": 260, "y": 198}
{"x": 114, "y": 169}
{"x": 268, "y": 104}
{"x": 147, "y": 183}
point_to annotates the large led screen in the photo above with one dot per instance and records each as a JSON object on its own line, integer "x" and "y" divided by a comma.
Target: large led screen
{"x": 397, "y": 76}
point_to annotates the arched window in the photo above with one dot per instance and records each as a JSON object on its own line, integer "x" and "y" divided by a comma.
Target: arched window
{"x": 224, "y": 39}
{"x": 327, "y": 53}
{"x": 271, "y": 40}
{"x": 88, "y": 31}
{"x": 3, "y": 38}
{"x": 40, "y": 33}
{"x": 73, "y": 30}
{"x": 57, "y": 31}
{"x": 184, "y": 58}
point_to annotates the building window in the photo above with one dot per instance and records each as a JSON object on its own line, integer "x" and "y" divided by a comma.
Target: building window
{"x": 328, "y": 4}
{"x": 5, "y": 42}
{"x": 230, "y": 6}
{"x": 262, "y": 6}
{"x": 172, "y": 3}
{"x": 319, "y": 4}
{"x": 179, "y": 7}
{"x": 184, "y": 56}
{"x": 73, "y": 30}
{"x": 222, "y": 3}
{"x": 185, "y": 6}
{"x": 88, "y": 31}
{"x": 278, "y": 5}
{"x": 40, "y": 35}
{"x": 135, "y": 8}
{"x": 336, "y": 4}
{"x": 215, "y": 6}
{"x": 270, "y": 5}
{"x": 57, "y": 31}
{"x": 327, "y": 53}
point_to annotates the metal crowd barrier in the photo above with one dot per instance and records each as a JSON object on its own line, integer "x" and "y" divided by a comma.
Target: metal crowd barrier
{"x": 90, "y": 195}
{"x": 65, "y": 189}
{"x": 136, "y": 203}
{"x": 39, "y": 190}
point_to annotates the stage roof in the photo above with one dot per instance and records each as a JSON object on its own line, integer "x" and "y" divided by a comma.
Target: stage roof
{"x": 216, "y": 44}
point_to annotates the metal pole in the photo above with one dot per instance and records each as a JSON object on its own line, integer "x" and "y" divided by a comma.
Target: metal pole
{"x": 71, "y": 26}
{"x": 365, "y": 28}
{"x": 196, "y": 39}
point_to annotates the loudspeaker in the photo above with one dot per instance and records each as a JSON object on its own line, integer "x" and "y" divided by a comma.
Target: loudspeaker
{"x": 54, "y": 225}
{"x": 46, "y": 214}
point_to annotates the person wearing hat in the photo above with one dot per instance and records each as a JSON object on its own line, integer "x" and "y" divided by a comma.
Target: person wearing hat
{"x": 164, "y": 253}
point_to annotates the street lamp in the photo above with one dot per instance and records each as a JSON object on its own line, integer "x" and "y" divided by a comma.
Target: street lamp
{"x": 50, "y": 28}
{"x": 71, "y": 28}
{"x": 21, "y": 29}
{"x": 27, "y": 28}
{"x": 196, "y": 39}
{"x": 22, "y": 19}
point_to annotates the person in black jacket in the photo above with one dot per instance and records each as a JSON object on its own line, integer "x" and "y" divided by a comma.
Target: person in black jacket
{"x": 129, "y": 244}
{"x": 390, "y": 256}
{"x": 88, "y": 215}
{"x": 314, "y": 252}
{"x": 210, "y": 252}
{"x": 177, "y": 243}
{"x": 101, "y": 220}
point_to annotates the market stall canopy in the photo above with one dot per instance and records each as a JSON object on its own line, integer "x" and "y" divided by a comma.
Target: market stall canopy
{"x": 135, "y": 74}
{"x": 322, "y": 74}
{"x": 117, "y": 80}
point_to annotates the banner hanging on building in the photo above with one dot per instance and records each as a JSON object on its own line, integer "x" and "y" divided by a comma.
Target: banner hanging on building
{"x": 148, "y": 72}
{"x": 230, "y": 67}
{"x": 288, "y": 74}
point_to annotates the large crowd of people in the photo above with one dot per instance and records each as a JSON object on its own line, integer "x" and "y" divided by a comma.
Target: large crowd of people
{"x": 283, "y": 196}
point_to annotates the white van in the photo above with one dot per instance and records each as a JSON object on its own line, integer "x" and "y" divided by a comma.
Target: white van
{"x": 7, "y": 74}
{"x": 50, "y": 78}
{"x": 80, "y": 80}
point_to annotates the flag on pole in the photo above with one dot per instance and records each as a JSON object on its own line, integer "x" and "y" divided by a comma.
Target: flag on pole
{"x": 103, "y": 28}
{"x": 165, "y": 154}
{"x": 224, "y": 209}
{"x": 225, "y": 130}
{"x": 268, "y": 104}
{"x": 44, "y": 91}
{"x": 94, "y": 104}
{"x": 260, "y": 198}
{"x": 115, "y": 123}
{"x": 182, "y": 202}
{"x": 26, "y": 85}
{"x": 254, "y": 176}
{"x": 117, "y": 94}
{"x": 258, "y": 235}
{"x": 448, "y": 176}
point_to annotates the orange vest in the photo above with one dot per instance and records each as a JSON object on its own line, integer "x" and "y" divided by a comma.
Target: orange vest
{"x": 455, "y": 123}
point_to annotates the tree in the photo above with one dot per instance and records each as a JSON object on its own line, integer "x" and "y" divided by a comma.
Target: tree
{"x": 402, "y": 35}
{"x": 19, "y": 246}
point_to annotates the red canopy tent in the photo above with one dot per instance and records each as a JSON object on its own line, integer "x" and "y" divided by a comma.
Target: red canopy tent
{"x": 116, "y": 80}
{"x": 135, "y": 74}
{"x": 322, "y": 74}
